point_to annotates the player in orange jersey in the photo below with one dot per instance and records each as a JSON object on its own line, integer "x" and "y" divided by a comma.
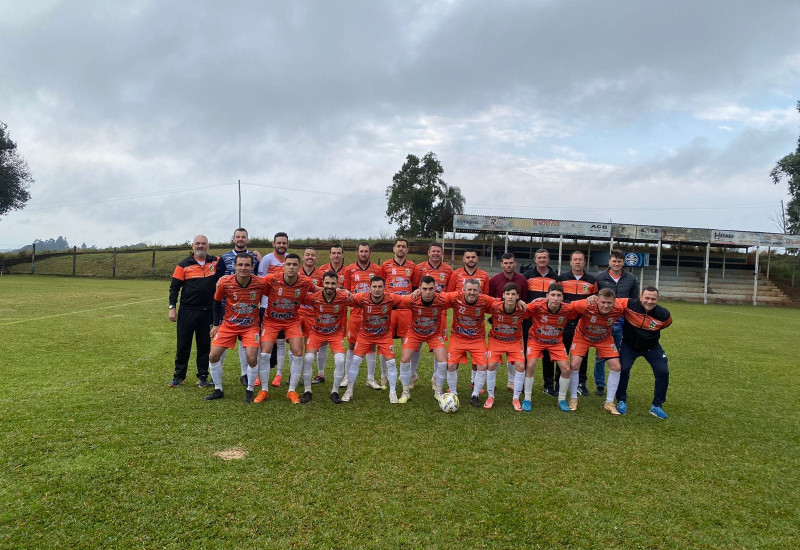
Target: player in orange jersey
{"x": 273, "y": 263}
{"x": 598, "y": 315}
{"x": 310, "y": 270}
{"x": 328, "y": 318}
{"x": 337, "y": 266}
{"x": 357, "y": 279}
{"x": 505, "y": 337}
{"x": 242, "y": 294}
{"x": 549, "y": 318}
{"x": 286, "y": 291}
{"x": 398, "y": 272}
{"x": 376, "y": 306}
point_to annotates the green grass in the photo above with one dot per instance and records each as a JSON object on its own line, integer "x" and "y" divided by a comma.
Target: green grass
{"x": 99, "y": 452}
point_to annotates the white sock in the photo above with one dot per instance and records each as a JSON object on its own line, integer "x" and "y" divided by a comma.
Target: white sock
{"x": 322, "y": 358}
{"x": 405, "y": 374}
{"x": 563, "y": 384}
{"x": 439, "y": 373}
{"x": 263, "y": 370}
{"x": 472, "y": 376}
{"x": 352, "y": 372}
{"x": 308, "y": 362}
{"x": 573, "y": 384}
{"x": 252, "y": 374}
{"x": 216, "y": 374}
{"x": 491, "y": 382}
{"x": 371, "y": 366}
{"x": 480, "y": 380}
{"x": 348, "y": 360}
{"x": 384, "y": 368}
{"x": 414, "y": 362}
{"x": 452, "y": 380}
{"x": 281, "y": 351}
{"x": 528, "y": 384}
{"x": 338, "y": 371}
{"x": 295, "y": 371}
{"x": 391, "y": 373}
{"x": 242, "y": 358}
{"x": 611, "y": 387}
{"x": 519, "y": 381}
{"x": 512, "y": 373}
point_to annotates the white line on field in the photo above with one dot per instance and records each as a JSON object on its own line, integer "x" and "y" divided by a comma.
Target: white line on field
{"x": 79, "y": 311}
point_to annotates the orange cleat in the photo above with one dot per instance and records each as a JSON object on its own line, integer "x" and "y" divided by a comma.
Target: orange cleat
{"x": 261, "y": 397}
{"x": 293, "y": 397}
{"x": 277, "y": 380}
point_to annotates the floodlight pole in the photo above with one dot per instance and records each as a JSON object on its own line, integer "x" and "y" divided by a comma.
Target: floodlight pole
{"x": 240, "y": 203}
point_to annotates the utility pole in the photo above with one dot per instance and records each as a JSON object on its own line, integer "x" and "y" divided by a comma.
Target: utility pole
{"x": 240, "y": 203}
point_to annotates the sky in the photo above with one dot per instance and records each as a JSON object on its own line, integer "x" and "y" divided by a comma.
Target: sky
{"x": 139, "y": 119}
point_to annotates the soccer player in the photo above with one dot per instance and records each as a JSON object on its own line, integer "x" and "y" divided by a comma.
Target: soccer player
{"x": 460, "y": 276}
{"x": 441, "y": 273}
{"x": 549, "y": 317}
{"x": 540, "y": 277}
{"x": 644, "y": 321}
{"x": 374, "y": 330}
{"x": 273, "y": 263}
{"x": 310, "y": 270}
{"x": 577, "y": 285}
{"x": 425, "y": 307}
{"x": 286, "y": 291}
{"x": 328, "y": 318}
{"x": 357, "y": 277}
{"x": 337, "y": 266}
{"x": 227, "y": 266}
{"x": 598, "y": 315}
{"x": 398, "y": 272}
{"x": 505, "y": 337}
{"x": 242, "y": 295}
{"x": 497, "y": 284}
{"x": 468, "y": 335}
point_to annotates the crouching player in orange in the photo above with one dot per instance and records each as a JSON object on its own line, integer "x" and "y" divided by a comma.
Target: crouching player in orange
{"x": 549, "y": 317}
{"x": 328, "y": 309}
{"x": 376, "y": 319}
{"x": 242, "y": 294}
{"x": 426, "y": 307}
{"x": 505, "y": 337}
{"x": 598, "y": 314}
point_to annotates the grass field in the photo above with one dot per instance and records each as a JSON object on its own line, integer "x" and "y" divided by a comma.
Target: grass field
{"x": 99, "y": 452}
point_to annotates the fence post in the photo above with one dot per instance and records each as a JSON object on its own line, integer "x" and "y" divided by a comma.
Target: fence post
{"x": 114, "y": 265}
{"x": 33, "y": 259}
{"x": 74, "y": 258}
{"x": 153, "y": 268}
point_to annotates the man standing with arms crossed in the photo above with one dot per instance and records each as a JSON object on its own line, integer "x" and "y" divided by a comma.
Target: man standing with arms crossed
{"x": 497, "y": 285}
{"x": 194, "y": 279}
{"x": 540, "y": 277}
{"x": 577, "y": 285}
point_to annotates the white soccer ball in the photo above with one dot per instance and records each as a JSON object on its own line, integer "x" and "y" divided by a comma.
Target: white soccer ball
{"x": 449, "y": 402}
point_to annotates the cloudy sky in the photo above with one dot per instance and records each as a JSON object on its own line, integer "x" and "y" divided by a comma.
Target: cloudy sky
{"x": 138, "y": 118}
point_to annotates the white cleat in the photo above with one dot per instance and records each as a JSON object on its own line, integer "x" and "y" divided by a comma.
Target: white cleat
{"x": 413, "y": 381}
{"x": 348, "y": 395}
{"x": 344, "y": 382}
{"x": 404, "y": 397}
{"x": 373, "y": 384}
{"x": 384, "y": 383}
{"x": 393, "y": 397}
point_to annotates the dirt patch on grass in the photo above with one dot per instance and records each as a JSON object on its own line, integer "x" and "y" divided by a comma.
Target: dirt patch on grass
{"x": 234, "y": 453}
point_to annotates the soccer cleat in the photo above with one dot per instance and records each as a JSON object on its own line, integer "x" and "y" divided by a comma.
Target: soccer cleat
{"x": 510, "y": 386}
{"x": 489, "y": 403}
{"x": 203, "y": 383}
{"x": 437, "y": 394}
{"x": 335, "y": 397}
{"x": 243, "y": 380}
{"x": 293, "y": 397}
{"x": 176, "y": 382}
{"x": 475, "y": 401}
{"x": 622, "y": 407}
{"x": 549, "y": 390}
{"x": 658, "y": 412}
{"x": 583, "y": 390}
{"x": 393, "y": 397}
{"x": 384, "y": 383}
{"x": 348, "y": 395}
{"x": 344, "y": 383}
{"x": 261, "y": 397}
{"x": 526, "y": 405}
{"x": 404, "y": 397}
{"x": 248, "y": 396}
{"x": 413, "y": 381}
{"x": 601, "y": 390}
{"x": 610, "y": 407}
{"x": 516, "y": 404}
{"x": 318, "y": 379}
{"x": 306, "y": 397}
{"x": 371, "y": 383}
{"x": 564, "y": 407}
{"x": 258, "y": 381}
{"x": 277, "y": 380}
{"x": 216, "y": 394}
{"x": 573, "y": 404}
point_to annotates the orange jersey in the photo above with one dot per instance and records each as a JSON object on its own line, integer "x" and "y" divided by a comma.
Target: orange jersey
{"x": 441, "y": 275}
{"x": 356, "y": 279}
{"x": 376, "y": 318}
{"x": 241, "y": 302}
{"x": 593, "y": 326}
{"x": 547, "y": 327}
{"x": 339, "y": 273}
{"x": 575, "y": 289}
{"x": 398, "y": 276}
{"x": 538, "y": 285}
{"x": 426, "y": 319}
{"x": 316, "y": 280}
{"x": 460, "y": 276}
{"x": 285, "y": 299}
{"x": 328, "y": 317}
{"x": 469, "y": 320}
{"x": 506, "y": 327}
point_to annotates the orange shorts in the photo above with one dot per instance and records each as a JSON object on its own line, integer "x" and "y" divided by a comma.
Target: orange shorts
{"x": 226, "y": 337}
{"x": 354, "y": 325}
{"x": 458, "y": 348}
{"x": 401, "y": 320}
{"x": 606, "y": 348}
{"x": 385, "y": 347}
{"x": 335, "y": 341}
{"x": 536, "y": 350}
{"x": 513, "y": 351}
{"x": 270, "y": 329}
{"x": 306, "y": 322}
{"x": 413, "y": 341}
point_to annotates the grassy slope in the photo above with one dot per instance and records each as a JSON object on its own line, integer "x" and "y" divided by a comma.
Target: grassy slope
{"x": 99, "y": 452}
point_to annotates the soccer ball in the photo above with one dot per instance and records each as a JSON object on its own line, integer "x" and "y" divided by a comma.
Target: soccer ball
{"x": 449, "y": 402}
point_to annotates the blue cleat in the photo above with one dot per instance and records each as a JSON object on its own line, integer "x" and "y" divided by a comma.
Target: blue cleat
{"x": 564, "y": 406}
{"x": 622, "y": 407}
{"x": 526, "y": 405}
{"x": 658, "y": 412}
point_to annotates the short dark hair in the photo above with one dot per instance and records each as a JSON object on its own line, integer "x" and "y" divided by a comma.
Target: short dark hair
{"x": 511, "y": 286}
{"x": 427, "y": 279}
{"x": 235, "y": 231}
{"x": 363, "y": 243}
{"x": 291, "y": 255}
{"x": 617, "y": 253}
{"x": 401, "y": 240}
{"x": 280, "y": 234}
{"x": 338, "y": 245}
{"x": 437, "y": 245}
{"x": 541, "y": 251}
{"x": 555, "y": 286}
{"x": 581, "y": 252}
{"x": 508, "y": 256}
{"x": 650, "y": 289}
{"x": 244, "y": 255}
{"x": 377, "y": 278}
{"x": 330, "y": 274}
{"x": 470, "y": 251}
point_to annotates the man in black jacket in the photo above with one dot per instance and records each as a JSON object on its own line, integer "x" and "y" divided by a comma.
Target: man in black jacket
{"x": 195, "y": 280}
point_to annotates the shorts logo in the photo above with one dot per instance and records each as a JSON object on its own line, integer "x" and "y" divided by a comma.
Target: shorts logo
{"x": 258, "y": 337}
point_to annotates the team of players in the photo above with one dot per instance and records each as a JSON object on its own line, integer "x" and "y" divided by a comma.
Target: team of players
{"x": 309, "y": 305}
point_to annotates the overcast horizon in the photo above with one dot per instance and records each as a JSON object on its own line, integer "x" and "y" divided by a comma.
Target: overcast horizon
{"x": 138, "y": 119}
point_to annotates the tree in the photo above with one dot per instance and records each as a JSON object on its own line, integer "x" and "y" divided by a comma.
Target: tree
{"x": 15, "y": 177}
{"x": 789, "y": 167}
{"x": 420, "y": 201}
